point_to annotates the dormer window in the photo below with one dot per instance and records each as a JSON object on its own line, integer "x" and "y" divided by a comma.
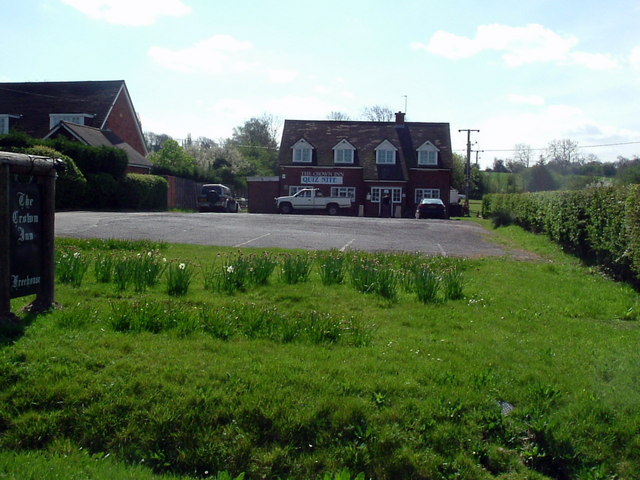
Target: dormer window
{"x": 78, "y": 118}
{"x": 302, "y": 151}
{"x": 4, "y": 123}
{"x": 427, "y": 154}
{"x": 343, "y": 153}
{"x": 386, "y": 153}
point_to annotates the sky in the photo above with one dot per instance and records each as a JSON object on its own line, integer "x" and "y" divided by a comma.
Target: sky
{"x": 527, "y": 72}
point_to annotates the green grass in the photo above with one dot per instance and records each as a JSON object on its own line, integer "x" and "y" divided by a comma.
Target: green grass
{"x": 532, "y": 374}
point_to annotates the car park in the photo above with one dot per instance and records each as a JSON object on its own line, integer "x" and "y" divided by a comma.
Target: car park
{"x": 215, "y": 197}
{"x": 431, "y": 208}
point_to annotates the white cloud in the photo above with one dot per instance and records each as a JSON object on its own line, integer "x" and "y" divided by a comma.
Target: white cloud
{"x": 283, "y": 76}
{"x": 535, "y": 100}
{"x": 209, "y": 56}
{"x": 518, "y": 45}
{"x": 130, "y": 12}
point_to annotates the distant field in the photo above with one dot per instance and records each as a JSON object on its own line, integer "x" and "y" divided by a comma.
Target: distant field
{"x": 532, "y": 373}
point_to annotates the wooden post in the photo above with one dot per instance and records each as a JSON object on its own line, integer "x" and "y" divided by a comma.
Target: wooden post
{"x": 5, "y": 268}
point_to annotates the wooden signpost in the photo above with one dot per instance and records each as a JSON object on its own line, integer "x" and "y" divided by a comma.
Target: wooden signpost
{"x": 27, "y": 216}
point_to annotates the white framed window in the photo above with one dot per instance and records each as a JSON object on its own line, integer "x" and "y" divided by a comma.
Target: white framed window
{"x": 427, "y": 193}
{"x": 56, "y": 118}
{"x": 386, "y": 153}
{"x": 302, "y": 151}
{"x": 343, "y": 152}
{"x": 349, "y": 192}
{"x": 295, "y": 189}
{"x": 4, "y": 122}
{"x": 378, "y": 192}
{"x": 427, "y": 154}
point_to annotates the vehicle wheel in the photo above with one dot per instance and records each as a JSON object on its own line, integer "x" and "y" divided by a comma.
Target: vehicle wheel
{"x": 332, "y": 209}
{"x": 231, "y": 207}
{"x": 286, "y": 208}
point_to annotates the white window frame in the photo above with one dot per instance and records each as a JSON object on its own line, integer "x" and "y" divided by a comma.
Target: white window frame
{"x": 378, "y": 192}
{"x": 427, "y": 154}
{"x": 78, "y": 118}
{"x": 293, "y": 189}
{"x": 421, "y": 193}
{"x": 5, "y": 119}
{"x": 302, "y": 152}
{"x": 386, "y": 153}
{"x": 344, "y": 153}
{"x": 348, "y": 192}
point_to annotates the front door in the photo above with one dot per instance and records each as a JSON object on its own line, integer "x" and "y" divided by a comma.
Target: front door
{"x": 387, "y": 198}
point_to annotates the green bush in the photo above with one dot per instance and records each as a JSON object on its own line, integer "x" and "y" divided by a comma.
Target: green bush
{"x": 93, "y": 160}
{"x": 146, "y": 192}
{"x": 101, "y": 191}
{"x": 71, "y": 185}
{"x": 601, "y": 225}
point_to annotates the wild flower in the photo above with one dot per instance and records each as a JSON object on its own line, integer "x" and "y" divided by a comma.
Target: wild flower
{"x": 178, "y": 278}
{"x": 71, "y": 268}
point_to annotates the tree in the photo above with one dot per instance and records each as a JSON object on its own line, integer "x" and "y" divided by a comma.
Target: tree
{"x": 257, "y": 143}
{"x": 173, "y": 158}
{"x": 523, "y": 154}
{"x": 378, "y": 113}
{"x": 498, "y": 166}
{"x": 538, "y": 178}
{"x": 339, "y": 116}
{"x": 563, "y": 153}
{"x": 154, "y": 141}
{"x": 458, "y": 175}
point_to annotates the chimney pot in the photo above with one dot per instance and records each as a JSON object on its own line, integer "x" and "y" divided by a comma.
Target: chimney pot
{"x": 399, "y": 118}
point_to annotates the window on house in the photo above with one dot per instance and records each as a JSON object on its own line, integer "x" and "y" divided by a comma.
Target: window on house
{"x": 56, "y": 118}
{"x": 427, "y": 193}
{"x": 378, "y": 192}
{"x": 343, "y": 152}
{"x": 427, "y": 154}
{"x": 295, "y": 189}
{"x": 302, "y": 151}
{"x": 349, "y": 192}
{"x": 386, "y": 153}
{"x": 4, "y": 123}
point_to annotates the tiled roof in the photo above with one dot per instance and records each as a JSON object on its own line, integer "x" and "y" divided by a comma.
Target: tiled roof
{"x": 34, "y": 101}
{"x": 100, "y": 138}
{"x": 365, "y": 137}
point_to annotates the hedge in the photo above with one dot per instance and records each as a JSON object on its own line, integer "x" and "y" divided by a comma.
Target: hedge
{"x": 601, "y": 225}
{"x": 143, "y": 192}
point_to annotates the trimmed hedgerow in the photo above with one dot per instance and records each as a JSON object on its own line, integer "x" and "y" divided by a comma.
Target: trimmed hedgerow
{"x": 148, "y": 192}
{"x": 601, "y": 225}
{"x": 93, "y": 160}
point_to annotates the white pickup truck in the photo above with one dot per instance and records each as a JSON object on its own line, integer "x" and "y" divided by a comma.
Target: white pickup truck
{"x": 311, "y": 199}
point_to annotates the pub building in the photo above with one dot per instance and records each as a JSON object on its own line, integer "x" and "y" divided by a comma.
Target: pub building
{"x": 386, "y": 168}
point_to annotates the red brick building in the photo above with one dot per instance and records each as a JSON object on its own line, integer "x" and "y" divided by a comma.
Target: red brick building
{"x": 385, "y": 167}
{"x": 93, "y": 112}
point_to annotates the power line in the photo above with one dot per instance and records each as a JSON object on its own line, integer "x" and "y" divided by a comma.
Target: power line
{"x": 540, "y": 149}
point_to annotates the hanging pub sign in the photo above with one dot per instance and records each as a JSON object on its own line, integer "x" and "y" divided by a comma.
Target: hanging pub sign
{"x": 25, "y": 236}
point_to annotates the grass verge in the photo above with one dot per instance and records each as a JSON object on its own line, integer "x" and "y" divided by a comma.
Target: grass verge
{"x": 532, "y": 373}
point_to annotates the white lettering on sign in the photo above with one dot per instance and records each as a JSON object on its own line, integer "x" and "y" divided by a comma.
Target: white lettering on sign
{"x": 316, "y": 180}
{"x": 17, "y": 281}
{"x": 24, "y": 236}
{"x": 321, "y": 173}
{"x": 24, "y": 200}
{"x": 27, "y": 218}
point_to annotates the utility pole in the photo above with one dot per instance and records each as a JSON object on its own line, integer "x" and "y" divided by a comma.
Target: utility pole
{"x": 467, "y": 186}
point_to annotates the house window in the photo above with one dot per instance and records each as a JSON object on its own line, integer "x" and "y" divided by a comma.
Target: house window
{"x": 302, "y": 151}
{"x": 349, "y": 192}
{"x": 426, "y": 193}
{"x": 4, "y": 122}
{"x": 427, "y": 154}
{"x": 386, "y": 153}
{"x": 295, "y": 189}
{"x": 343, "y": 152}
{"x": 78, "y": 118}
{"x": 378, "y": 192}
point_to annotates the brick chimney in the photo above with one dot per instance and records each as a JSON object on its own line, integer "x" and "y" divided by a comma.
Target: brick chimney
{"x": 399, "y": 118}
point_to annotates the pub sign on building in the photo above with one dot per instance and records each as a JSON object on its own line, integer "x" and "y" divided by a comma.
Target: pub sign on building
{"x": 373, "y": 163}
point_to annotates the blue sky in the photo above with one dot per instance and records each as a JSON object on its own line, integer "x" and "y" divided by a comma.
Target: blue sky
{"x": 522, "y": 72}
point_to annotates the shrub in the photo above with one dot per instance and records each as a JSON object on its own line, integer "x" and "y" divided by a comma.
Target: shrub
{"x": 92, "y": 160}
{"x": 102, "y": 191}
{"x": 136, "y": 191}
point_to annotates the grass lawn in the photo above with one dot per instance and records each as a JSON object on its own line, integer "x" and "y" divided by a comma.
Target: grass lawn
{"x": 531, "y": 374}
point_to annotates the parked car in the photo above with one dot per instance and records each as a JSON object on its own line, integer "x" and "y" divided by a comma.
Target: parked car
{"x": 215, "y": 197}
{"x": 311, "y": 199}
{"x": 431, "y": 208}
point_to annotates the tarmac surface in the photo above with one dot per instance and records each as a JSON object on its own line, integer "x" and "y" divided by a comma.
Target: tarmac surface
{"x": 453, "y": 237}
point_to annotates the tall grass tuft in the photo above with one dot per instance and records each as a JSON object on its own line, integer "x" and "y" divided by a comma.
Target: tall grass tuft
{"x": 453, "y": 284}
{"x": 426, "y": 284}
{"x": 261, "y": 267}
{"x": 71, "y": 267}
{"x": 375, "y": 275}
{"x": 332, "y": 267}
{"x": 296, "y": 268}
{"x": 103, "y": 268}
{"x": 178, "y": 276}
